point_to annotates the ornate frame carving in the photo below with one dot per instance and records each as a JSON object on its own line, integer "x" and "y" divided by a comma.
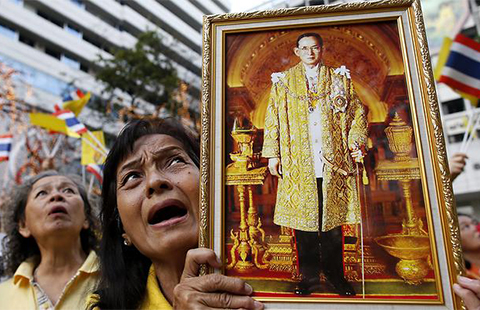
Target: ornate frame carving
{"x": 425, "y": 115}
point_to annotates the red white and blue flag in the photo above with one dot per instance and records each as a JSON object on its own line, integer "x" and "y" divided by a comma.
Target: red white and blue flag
{"x": 74, "y": 95}
{"x": 97, "y": 171}
{"x": 72, "y": 122}
{"x": 462, "y": 69}
{"x": 5, "y": 146}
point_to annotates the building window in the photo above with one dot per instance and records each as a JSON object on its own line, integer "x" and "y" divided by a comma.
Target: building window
{"x": 75, "y": 64}
{"x": 78, "y": 3}
{"x": 8, "y": 32}
{"x": 52, "y": 53}
{"x": 84, "y": 68}
{"x": 34, "y": 77}
{"x": 22, "y": 38}
{"x": 92, "y": 41}
{"x": 455, "y": 138}
{"x": 453, "y": 106}
{"x": 72, "y": 30}
{"x": 50, "y": 19}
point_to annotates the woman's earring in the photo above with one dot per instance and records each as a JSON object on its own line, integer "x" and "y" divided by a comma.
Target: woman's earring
{"x": 126, "y": 240}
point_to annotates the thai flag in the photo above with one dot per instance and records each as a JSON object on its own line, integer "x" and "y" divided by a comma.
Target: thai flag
{"x": 462, "y": 69}
{"x": 5, "y": 146}
{"x": 74, "y": 95}
{"x": 72, "y": 122}
{"x": 97, "y": 171}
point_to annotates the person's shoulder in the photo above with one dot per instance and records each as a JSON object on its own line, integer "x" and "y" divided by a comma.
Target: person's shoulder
{"x": 6, "y": 284}
{"x": 9, "y": 292}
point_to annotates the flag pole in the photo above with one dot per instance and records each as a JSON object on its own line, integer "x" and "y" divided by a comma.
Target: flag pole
{"x": 472, "y": 135}
{"x": 474, "y": 13}
{"x": 56, "y": 147}
{"x": 5, "y": 177}
{"x": 359, "y": 185}
{"x": 83, "y": 175}
{"x": 470, "y": 116}
{"x": 90, "y": 186}
{"x": 97, "y": 141}
{"x": 94, "y": 147}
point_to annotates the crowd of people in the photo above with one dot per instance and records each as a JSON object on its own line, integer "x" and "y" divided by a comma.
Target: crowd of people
{"x": 144, "y": 253}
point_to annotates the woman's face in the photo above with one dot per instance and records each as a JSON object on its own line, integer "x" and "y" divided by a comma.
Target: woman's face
{"x": 157, "y": 197}
{"x": 469, "y": 234}
{"x": 54, "y": 206}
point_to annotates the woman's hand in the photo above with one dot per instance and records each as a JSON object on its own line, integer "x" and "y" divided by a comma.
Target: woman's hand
{"x": 213, "y": 290}
{"x": 469, "y": 291}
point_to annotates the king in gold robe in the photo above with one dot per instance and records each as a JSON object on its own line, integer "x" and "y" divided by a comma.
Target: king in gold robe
{"x": 287, "y": 136}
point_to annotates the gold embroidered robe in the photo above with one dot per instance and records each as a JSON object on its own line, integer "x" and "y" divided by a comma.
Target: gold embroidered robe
{"x": 286, "y": 135}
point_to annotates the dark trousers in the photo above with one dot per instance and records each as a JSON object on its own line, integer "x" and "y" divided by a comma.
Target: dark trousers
{"x": 319, "y": 250}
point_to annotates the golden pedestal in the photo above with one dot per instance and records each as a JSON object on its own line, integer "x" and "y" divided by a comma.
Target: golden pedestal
{"x": 412, "y": 245}
{"x": 249, "y": 240}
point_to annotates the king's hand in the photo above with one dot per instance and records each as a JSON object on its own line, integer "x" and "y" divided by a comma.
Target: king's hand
{"x": 357, "y": 155}
{"x": 275, "y": 167}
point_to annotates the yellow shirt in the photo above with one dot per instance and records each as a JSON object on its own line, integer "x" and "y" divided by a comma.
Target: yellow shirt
{"x": 153, "y": 300}
{"x": 18, "y": 292}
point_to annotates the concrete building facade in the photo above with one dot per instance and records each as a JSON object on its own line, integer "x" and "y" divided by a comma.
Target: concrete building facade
{"x": 55, "y": 43}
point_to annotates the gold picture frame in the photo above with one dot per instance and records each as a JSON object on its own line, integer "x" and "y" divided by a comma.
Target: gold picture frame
{"x": 402, "y": 247}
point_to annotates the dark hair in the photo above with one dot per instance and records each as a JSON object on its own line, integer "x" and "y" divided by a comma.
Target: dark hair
{"x": 16, "y": 248}
{"x": 124, "y": 270}
{"x": 311, "y": 34}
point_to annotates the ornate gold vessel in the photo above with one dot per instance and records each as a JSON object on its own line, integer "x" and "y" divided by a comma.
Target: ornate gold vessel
{"x": 412, "y": 245}
{"x": 399, "y": 137}
{"x": 412, "y": 251}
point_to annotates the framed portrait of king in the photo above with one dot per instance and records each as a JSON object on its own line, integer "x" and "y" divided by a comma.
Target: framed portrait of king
{"x": 324, "y": 177}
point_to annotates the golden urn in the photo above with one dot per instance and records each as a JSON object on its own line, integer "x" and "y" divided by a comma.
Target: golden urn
{"x": 399, "y": 136}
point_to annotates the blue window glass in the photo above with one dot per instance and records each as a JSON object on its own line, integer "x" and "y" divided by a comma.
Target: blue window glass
{"x": 35, "y": 77}
{"x": 75, "y": 64}
{"x": 8, "y": 32}
{"x": 78, "y": 3}
{"x": 73, "y": 31}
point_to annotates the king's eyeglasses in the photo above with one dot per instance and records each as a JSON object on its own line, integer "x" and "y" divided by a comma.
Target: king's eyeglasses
{"x": 314, "y": 48}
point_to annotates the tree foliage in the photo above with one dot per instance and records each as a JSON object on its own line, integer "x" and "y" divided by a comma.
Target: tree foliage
{"x": 141, "y": 72}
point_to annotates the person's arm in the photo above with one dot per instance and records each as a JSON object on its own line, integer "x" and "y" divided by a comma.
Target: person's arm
{"x": 469, "y": 291}
{"x": 212, "y": 290}
{"x": 457, "y": 164}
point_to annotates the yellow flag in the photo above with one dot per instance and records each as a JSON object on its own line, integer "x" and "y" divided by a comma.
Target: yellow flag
{"x": 76, "y": 106}
{"x": 442, "y": 57}
{"x": 442, "y": 60}
{"x": 89, "y": 154}
{"x": 51, "y": 122}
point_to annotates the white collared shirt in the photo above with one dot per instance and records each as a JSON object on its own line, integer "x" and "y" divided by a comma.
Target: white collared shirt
{"x": 315, "y": 122}
{"x": 312, "y": 76}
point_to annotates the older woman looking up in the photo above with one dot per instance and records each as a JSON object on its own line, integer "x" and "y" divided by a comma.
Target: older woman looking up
{"x": 49, "y": 247}
{"x": 148, "y": 253}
